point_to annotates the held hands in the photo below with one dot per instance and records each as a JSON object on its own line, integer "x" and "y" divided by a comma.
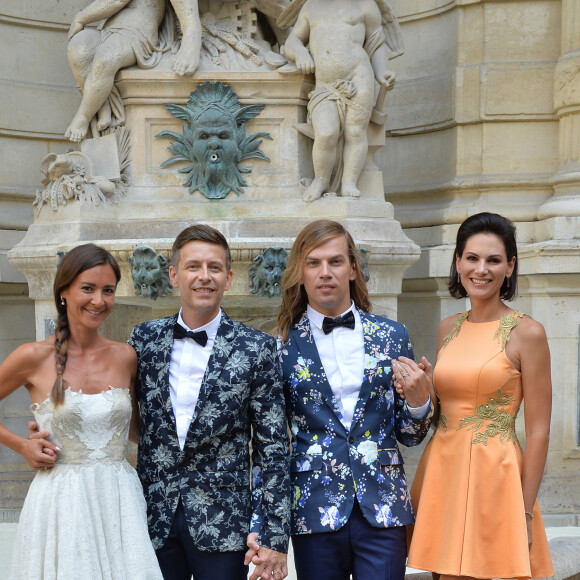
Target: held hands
{"x": 413, "y": 381}
{"x": 38, "y": 452}
{"x": 270, "y": 564}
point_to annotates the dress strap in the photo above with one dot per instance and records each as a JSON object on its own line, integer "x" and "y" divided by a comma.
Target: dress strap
{"x": 506, "y": 323}
{"x": 456, "y": 328}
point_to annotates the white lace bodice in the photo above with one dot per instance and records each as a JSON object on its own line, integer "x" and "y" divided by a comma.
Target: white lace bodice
{"x": 87, "y": 428}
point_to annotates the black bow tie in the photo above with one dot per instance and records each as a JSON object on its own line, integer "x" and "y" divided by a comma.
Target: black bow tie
{"x": 329, "y": 324}
{"x": 180, "y": 332}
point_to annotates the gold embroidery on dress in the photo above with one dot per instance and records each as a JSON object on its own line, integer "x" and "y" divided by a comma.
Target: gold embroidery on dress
{"x": 500, "y": 422}
{"x": 456, "y": 328}
{"x": 506, "y": 323}
{"x": 442, "y": 421}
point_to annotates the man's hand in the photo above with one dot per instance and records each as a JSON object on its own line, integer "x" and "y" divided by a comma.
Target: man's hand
{"x": 413, "y": 381}
{"x": 253, "y": 547}
{"x": 38, "y": 452}
{"x": 270, "y": 564}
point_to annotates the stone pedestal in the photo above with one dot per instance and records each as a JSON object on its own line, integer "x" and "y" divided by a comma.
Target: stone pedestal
{"x": 269, "y": 212}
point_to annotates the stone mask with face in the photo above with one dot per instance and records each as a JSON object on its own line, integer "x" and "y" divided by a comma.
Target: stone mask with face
{"x": 214, "y": 140}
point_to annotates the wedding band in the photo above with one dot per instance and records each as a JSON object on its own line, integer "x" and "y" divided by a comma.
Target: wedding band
{"x": 405, "y": 374}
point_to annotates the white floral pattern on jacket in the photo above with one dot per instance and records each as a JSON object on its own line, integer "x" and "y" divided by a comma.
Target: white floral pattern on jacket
{"x": 330, "y": 464}
{"x": 240, "y": 401}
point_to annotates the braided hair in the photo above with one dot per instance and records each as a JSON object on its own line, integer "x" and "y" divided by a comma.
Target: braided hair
{"x": 74, "y": 263}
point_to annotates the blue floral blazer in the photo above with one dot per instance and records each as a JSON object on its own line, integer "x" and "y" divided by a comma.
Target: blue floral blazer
{"x": 330, "y": 464}
{"x": 240, "y": 401}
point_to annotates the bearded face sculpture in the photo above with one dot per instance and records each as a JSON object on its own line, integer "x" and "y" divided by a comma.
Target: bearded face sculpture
{"x": 214, "y": 140}
{"x": 150, "y": 273}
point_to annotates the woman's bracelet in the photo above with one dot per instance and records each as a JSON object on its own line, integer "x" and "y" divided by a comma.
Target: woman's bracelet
{"x": 530, "y": 514}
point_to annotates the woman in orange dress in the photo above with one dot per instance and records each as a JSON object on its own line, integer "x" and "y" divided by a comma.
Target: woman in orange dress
{"x": 475, "y": 491}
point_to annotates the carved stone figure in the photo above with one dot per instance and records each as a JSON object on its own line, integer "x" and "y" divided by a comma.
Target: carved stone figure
{"x": 214, "y": 140}
{"x": 347, "y": 46}
{"x": 94, "y": 176}
{"x": 140, "y": 32}
{"x": 61, "y": 254}
{"x": 364, "y": 263}
{"x": 266, "y": 272}
{"x": 150, "y": 273}
{"x": 134, "y": 32}
{"x": 234, "y": 36}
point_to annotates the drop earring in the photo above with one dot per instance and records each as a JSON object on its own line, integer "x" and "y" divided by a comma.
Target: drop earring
{"x": 62, "y": 301}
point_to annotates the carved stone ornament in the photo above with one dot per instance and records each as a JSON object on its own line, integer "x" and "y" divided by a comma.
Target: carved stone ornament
{"x": 364, "y": 263}
{"x": 150, "y": 273}
{"x": 61, "y": 254}
{"x": 266, "y": 272}
{"x": 346, "y": 67}
{"x": 178, "y": 34}
{"x": 214, "y": 140}
{"x": 96, "y": 175}
{"x": 567, "y": 82}
{"x": 49, "y": 327}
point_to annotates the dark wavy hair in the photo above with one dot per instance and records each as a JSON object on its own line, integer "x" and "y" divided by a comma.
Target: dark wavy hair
{"x": 294, "y": 297}
{"x": 74, "y": 263}
{"x": 486, "y": 223}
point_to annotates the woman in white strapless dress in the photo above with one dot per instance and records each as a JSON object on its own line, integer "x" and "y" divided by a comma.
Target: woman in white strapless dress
{"x": 84, "y": 515}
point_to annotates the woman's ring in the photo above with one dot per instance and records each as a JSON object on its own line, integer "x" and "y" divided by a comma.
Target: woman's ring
{"x": 405, "y": 375}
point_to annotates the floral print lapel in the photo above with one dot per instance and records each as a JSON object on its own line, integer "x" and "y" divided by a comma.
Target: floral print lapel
{"x": 309, "y": 369}
{"x": 220, "y": 353}
{"x": 377, "y": 347}
{"x": 160, "y": 391}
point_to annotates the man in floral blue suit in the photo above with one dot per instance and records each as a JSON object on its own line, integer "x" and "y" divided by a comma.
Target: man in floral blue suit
{"x": 209, "y": 386}
{"x": 346, "y": 411}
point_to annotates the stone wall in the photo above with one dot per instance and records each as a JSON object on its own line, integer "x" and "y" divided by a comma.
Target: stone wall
{"x": 484, "y": 117}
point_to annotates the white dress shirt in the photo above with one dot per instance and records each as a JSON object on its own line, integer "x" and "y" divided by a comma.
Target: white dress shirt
{"x": 186, "y": 370}
{"x": 342, "y": 355}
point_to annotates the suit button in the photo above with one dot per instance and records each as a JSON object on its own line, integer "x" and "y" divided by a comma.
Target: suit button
{"x": 351, "y": 439}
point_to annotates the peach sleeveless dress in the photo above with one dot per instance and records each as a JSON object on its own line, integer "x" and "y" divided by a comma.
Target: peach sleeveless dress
{"x": 467, "y": 493}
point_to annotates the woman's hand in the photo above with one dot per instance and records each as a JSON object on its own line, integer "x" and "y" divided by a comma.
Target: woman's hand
{"x": 37, "y": 450}
{"x": 413, "y": 381}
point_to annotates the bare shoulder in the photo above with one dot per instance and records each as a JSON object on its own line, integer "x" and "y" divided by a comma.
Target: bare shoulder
{"x": 34, "y": 354}
{"x": 447, "y": 324}
{"x": 529, "y": 331}
{"x": 27, "y": 365}
{"x": 122, "y": 350}
{"x": 446, "y": 327}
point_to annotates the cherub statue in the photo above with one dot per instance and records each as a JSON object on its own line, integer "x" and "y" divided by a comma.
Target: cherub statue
{"x": 347, "y": 45}
{"x": 134, "y": 32}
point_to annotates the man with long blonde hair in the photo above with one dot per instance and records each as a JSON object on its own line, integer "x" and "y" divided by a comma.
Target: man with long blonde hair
{"x": 350, "y": 503}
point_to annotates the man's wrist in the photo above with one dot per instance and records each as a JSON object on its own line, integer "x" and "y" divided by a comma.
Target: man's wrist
{"x": 420, "y": 411}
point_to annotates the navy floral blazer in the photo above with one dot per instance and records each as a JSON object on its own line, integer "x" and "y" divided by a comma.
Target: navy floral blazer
{"x": 330, "y": 464}
{"x": 240, "y": 402}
